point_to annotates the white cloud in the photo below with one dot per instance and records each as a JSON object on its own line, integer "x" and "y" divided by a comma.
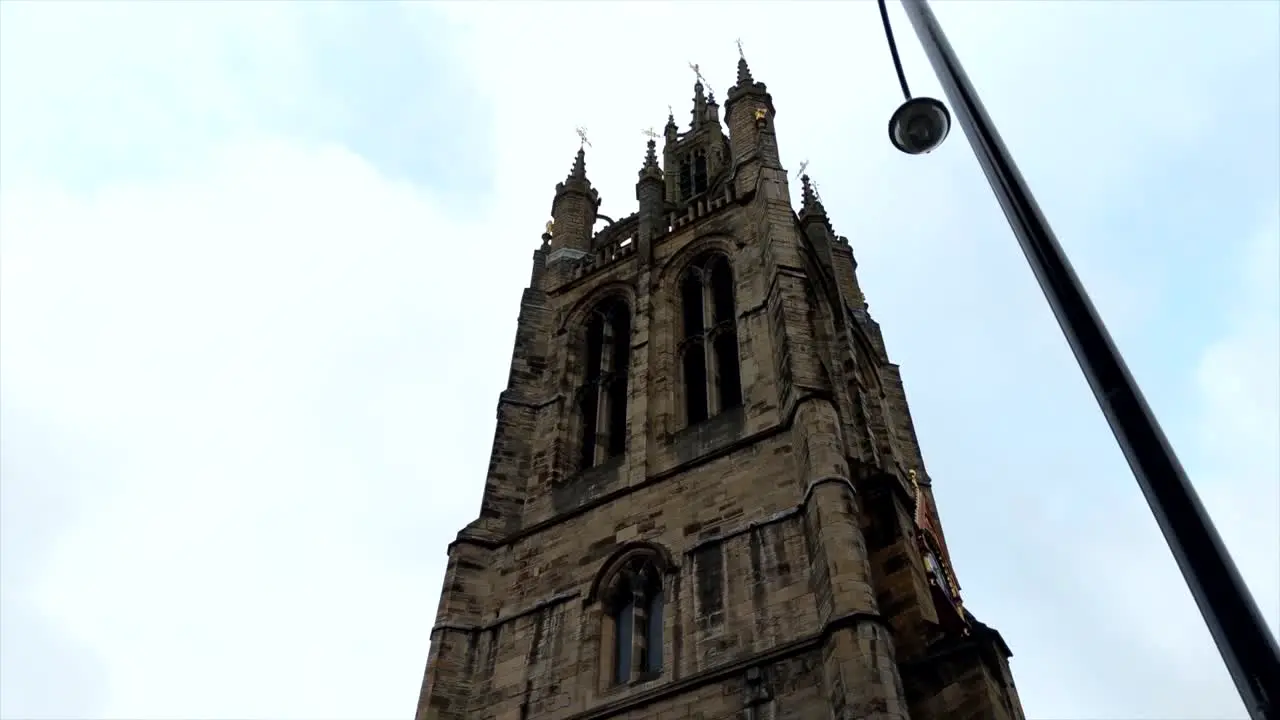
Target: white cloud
{"x": 245, "y": 348}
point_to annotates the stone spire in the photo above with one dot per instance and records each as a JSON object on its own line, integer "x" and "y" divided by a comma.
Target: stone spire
{"x": 809, "y": 200}
{"x": 744, "y": 72}
{"x": 650, "y": 166}
{"x": 747, "y": 105}
{"x": 713, "y": 109}
{"x": 577, "y": 178}
{"x": 650, "y": 192}
{"x": 573, "y": 211}
{"x": 746, "y": 85}
{"x": 699, "y": 106}
{"x": 579, "y": 171}
{"x": 811, "y": 207}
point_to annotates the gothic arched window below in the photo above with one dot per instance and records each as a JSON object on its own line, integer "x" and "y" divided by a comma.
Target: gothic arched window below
{"x": 633, "y": 603}
{"x": 710, "y": 376}
{"x": 602, "y": 399}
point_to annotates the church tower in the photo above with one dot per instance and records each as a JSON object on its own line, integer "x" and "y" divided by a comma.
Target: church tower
{"x": 706, "y": 498}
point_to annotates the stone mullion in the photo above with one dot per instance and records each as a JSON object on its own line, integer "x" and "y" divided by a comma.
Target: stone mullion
{"x": 604, "y": 401}
{"x": 708, "y": 347}
{"x": 639, "y": 630}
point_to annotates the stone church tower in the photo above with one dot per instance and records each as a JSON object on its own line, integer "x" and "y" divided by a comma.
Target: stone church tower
{"x": 705, "y": 499}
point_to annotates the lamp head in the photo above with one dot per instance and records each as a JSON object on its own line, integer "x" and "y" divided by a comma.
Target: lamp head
{"x": 919, "y": 126}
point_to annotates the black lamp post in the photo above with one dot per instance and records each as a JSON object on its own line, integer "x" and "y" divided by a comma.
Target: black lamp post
{"x": 919, "y": 126}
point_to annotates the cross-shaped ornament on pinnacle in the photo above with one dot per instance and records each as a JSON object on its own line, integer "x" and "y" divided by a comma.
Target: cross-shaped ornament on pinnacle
{"x": 582, "y": 137}
{"x": 697, "y": 72}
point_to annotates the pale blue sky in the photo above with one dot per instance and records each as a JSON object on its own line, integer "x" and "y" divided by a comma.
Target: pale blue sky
{"x": 260, "y": 265}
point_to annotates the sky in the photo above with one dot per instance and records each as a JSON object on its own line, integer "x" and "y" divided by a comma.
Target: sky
{"x": 260, "y": 266}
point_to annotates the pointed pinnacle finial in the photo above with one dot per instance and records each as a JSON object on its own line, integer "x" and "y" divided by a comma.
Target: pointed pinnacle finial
{"x": 744, "y": 72}
{"x": 579, "y": 171}
{"x": 811, "y": 208}
{"x": 811, "y": 201}
{"x": 651, "y": 154}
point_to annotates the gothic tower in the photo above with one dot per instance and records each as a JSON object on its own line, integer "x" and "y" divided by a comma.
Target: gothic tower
{"x": 705, "y": 499}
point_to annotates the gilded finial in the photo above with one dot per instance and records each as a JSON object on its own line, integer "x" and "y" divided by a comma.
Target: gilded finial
{"x": 761, "y": 113}
{"x": 582, "y": 137}
{"x": 803, "y": 166}
{"x": 551, "y": 226}
{"x": 914, "y": 478}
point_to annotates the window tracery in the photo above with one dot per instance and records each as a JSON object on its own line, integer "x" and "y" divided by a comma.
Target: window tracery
{"x": 602, "y": 398}
{"x": 709, "y": 344}
{"x": 634, "y": 614}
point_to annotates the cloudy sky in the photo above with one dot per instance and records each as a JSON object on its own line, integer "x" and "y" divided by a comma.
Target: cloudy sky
{"x": 260, "y": 265}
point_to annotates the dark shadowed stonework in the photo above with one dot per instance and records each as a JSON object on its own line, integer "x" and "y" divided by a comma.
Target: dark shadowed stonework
{"x": 706, "y": 499}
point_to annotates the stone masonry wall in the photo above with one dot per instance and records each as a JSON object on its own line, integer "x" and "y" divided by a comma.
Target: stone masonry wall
{"x": 793, "y": 582}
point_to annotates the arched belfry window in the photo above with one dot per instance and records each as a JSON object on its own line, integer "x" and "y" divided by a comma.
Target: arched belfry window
{"x": 633, "y": 603}
{"x": 602, "y": 399}
{"x": 686, "y": 179}
{"x": 694, "y": 178}
{"x": 699, "y": 172}
{"x": 709, "y": 345}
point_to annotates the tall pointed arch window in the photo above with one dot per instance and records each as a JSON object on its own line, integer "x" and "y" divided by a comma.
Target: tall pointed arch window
{"x": 699, "y": 171}
{"x": 634, "y": 615}
{"x": 694, "y": 178}
{"x": 686, "y": 179}
{"x": 710, "y": 375}
{"x": 602, "y": 399}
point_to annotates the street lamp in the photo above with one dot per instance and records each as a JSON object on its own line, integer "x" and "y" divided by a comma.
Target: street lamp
{"x": 1247, "y": 646}
{"x": 919, "y": 125}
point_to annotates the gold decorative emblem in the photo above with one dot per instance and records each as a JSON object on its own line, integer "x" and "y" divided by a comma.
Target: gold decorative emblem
{"x": 760, "y": 113}
{"x": 551, "y": 226}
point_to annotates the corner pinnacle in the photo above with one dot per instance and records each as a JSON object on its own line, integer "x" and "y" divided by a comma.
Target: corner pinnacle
{"x": 651, "y": 154}
{"x": 579, "y": 171}
{"x": 807, "y": 197}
